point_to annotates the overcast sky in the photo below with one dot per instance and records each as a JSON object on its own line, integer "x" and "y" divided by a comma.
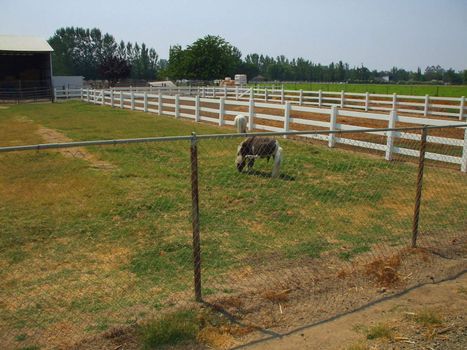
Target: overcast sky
{"x": 377, "y": 33}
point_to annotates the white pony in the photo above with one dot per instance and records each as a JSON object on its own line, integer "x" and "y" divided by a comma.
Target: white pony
{"x": 241, "y": 123}
{"x": 259, "y": 147}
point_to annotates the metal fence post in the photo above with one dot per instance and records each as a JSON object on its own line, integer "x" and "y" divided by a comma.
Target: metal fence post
{"x": 195, "y": 218}
{"x": 418, "y": 195}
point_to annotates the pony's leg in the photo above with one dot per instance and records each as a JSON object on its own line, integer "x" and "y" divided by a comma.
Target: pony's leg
{"x": 277, "y": 163}
{"x": 251, "y": 162}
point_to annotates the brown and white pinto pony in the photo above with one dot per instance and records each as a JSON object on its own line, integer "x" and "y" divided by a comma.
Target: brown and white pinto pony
{"x": 259, "y": 147}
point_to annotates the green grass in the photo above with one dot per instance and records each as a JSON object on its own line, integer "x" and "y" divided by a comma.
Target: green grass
{"x": 417, "y": 90}
{"x": 182, "y": 326}
{"x": 87, "y": 248}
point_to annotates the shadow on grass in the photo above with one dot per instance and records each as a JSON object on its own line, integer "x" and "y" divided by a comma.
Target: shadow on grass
{"x": 265, "y": 174}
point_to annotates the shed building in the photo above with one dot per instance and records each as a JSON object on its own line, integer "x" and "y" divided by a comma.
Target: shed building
{"x": 25, "y": 68}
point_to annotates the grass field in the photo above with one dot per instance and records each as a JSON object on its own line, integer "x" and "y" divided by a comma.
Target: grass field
{"x": 418, "y": 90}
{"x": 84, "y": 247}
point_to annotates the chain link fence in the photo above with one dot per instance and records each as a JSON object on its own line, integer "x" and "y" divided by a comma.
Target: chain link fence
{"x": 100, "y": 237}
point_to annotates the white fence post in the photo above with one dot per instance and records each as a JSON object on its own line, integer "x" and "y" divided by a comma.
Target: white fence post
{"x": 159, "y": 104}
{"x": 221, "y": 111}
{"x": 145, "y": 103}
{"x": 103, "y": 97}
{"x": 81, "y": 94}
{"x": 67, "y": 92}
{"x": 177, "y": 106}
{"x": 251, "y": 111}
{"x": 367, "y": 101}
{"x": 111, "y": 98}
{"x": 394, "y": 101}
{"x": 266, "y": 97}
{"x": 132, "y": 101}
{"x": 121, "y": 99}
{"x": 282, "y": 95}
{"x": 236, "y": 93}
{"x": 390, "y": 135}
{"x": 204, "y": 92}
{"x": 427, "y": 102}
{"x": 342, "y": 98}
{"x": 87, "y": 95}
{"x": 286, "y": 117}
{"x": 461, "y": 108}
{"x": 332, "y": 126}
{"x": 300, "y": 100}
{"x": 225, "y": 91}
{"x": 464, "y": 154}
{"x": 197, "y": 116}
{"x": 320, "y": 98}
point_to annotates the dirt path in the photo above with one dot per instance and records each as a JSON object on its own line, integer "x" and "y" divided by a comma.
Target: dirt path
{"x": 429, "y": 317}
{"x": 54, "y": 136}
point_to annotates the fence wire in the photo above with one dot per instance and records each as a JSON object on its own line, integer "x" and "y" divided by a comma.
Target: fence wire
{"x": 97, "y": 241}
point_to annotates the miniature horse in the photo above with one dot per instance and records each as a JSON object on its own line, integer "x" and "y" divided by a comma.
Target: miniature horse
{"x": 259, "y": 147}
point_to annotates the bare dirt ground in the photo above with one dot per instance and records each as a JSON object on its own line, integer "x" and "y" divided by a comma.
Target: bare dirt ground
{"x": 430, "y": 317}
{"x": 54, "y": 136}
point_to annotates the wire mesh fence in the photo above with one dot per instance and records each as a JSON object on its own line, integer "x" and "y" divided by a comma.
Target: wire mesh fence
{"x": 102, "y": 238}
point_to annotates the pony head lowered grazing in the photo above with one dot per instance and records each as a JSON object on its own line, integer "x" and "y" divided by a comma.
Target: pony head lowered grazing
{"x": 259, "y": 147}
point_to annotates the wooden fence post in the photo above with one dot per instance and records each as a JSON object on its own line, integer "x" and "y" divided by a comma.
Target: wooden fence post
{"x": 195, "y": 219}
{"x": 427, "y": 102}
{"x": 251, "y": 111}
{"x": 177, "y": 106}
{"x": 197, "y": 116}
{"x": 418, "y": 194}
{"x": 332, "y": 126}
{"x": 390, "y": 135}
{"x": 464, "y": 153}
{"x": 461, "y": 108}
{"x": 286, "y": 117}
{"x": 159, "y": 104}
{"x": 221, "y": 111}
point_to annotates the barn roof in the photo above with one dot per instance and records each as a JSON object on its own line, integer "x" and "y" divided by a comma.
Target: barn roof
{"x": 24, "y": 44}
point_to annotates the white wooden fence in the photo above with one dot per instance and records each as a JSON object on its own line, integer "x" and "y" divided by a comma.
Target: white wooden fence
{"x": 222, "y": 111}
{"x": 425, "y": 106}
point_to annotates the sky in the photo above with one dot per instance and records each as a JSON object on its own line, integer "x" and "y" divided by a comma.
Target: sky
{"x": 379, "y": 34}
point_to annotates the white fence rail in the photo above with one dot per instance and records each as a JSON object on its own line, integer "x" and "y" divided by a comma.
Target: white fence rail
{"x": 283, "y": 117}
{"x": 423, "y": 106}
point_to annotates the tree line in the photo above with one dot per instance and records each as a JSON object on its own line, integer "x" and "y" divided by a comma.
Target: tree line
{"x": 88, "y": 52}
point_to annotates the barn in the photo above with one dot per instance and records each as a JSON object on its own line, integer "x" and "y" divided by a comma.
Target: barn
{"x": 25, "y": 68}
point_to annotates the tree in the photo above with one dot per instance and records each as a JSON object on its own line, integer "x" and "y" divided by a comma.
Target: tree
{"x": 114, "y": 68}
{"x": 207, "y": 58}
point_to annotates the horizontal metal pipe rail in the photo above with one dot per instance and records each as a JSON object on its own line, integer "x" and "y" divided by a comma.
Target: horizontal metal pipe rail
{"x": 39, "y": 147}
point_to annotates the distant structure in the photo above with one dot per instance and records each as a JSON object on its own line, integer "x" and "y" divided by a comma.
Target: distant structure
{"x": 25, "y": 68}
{"x": 63, "y": 82}
{"x": 240, "y": 79}
{"x": 165, "y": 83}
